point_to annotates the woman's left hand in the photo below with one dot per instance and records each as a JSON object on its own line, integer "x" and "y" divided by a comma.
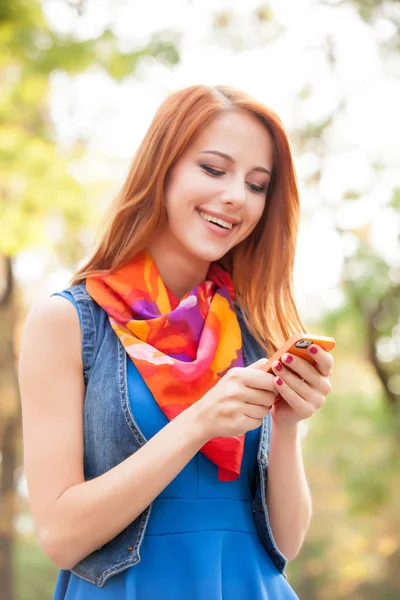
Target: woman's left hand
{"x": 302, "y": 389}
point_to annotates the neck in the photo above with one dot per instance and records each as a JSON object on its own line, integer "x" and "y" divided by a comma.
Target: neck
{"x": 179, "y": 273}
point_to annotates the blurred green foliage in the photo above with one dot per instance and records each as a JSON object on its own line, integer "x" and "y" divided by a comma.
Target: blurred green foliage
{"x": 36, "y": 185}
{"x": 37, "y": 190}
{"x": 34, "y": 574}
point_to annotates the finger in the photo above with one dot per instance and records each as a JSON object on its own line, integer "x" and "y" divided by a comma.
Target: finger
{"x": 258, "y": 364}
{"x": 301, "y": 387}
{"x": 323, "y": 360}
{"x": 302, "y": 408}
{"x": 260, "y": 398}
{"x": 255, "y": 411}
{"x": 258, "y": 379}
{"x": 307, "y": 372}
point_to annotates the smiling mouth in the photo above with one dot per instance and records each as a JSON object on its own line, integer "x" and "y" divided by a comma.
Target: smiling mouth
{"x": 220, "y": 222}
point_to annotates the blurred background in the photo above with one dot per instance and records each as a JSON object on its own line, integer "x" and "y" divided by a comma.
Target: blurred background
{"x": 80, "y": 81}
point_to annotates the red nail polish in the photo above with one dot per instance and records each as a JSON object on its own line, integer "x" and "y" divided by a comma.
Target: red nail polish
{"x": 279, "y": 381}
{"x": 313, "y": 350}
{"x": 288, "y": 359}
{"x": 277, "y": 366}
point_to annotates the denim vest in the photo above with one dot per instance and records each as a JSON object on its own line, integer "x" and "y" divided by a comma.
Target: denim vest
{"x": 111, "y": 435}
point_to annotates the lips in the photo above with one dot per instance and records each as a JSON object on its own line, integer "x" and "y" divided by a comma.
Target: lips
{"x": 225, "y": 220}
{"x": 215, "y": 221}
{"x": 215, "y": 229}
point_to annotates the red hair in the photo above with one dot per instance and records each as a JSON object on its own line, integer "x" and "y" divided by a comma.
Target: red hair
{"x": 261, "y": 265}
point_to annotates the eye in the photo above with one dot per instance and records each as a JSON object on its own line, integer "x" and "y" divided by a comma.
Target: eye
{"x": 258, "y": 189}
{"x": 212, "y": 171}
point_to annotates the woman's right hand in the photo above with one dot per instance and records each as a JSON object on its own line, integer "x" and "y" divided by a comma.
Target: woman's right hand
{"x": 237, "y": 403}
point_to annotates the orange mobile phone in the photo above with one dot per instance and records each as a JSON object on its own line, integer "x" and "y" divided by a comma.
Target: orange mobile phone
{"x": 298, "y": 345}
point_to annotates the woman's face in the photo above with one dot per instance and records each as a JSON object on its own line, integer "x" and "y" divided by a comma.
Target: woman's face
{"x": 223, "y": 175}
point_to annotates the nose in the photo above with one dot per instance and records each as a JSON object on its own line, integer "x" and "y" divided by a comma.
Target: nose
{"x": 234, "y": 194}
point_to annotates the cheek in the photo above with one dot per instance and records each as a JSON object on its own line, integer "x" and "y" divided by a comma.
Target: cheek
{"x": 256, "y": 211}
{"x": 183, "y": 189}
{"x": 254, "y": 214}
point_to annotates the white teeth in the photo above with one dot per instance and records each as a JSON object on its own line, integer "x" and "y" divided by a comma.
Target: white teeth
{"x": 215, "y": 220}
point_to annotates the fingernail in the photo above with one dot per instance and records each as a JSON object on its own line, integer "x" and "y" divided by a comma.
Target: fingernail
{"x": 279, "y": 381}
{"x": 277, "y": 365}
{"x": 288, "y": 359}
{"x": 313, "y": 350}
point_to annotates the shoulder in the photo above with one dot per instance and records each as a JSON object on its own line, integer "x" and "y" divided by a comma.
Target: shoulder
{"x": 52, "y": 330}
{"x": 61, "y": 310}
{"x": 55, "y": 311}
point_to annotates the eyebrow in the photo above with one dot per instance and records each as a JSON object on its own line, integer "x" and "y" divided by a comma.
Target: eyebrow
{"x": 261, "y": 169}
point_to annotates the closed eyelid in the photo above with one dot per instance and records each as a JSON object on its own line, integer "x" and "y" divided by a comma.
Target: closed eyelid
{"x": 207, "y": 168}
{"x": 231, "y": 160}
{"x": 227, "y": 169}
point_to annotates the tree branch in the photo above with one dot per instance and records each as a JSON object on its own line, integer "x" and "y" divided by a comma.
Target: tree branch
{"x": 8, "y": 285}
{"x": 393, "y": 399}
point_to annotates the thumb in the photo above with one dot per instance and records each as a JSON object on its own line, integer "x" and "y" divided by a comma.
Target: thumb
{"x": 258, "y": 364}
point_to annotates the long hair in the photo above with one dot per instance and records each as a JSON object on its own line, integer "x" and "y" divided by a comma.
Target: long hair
{"x": 261, "y": 266}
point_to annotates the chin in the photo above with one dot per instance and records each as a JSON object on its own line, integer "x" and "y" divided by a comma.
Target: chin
{"x": 207, "y": 254}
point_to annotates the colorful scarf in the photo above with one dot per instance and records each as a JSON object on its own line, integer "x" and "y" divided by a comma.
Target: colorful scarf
{"x": 181, "y": 348}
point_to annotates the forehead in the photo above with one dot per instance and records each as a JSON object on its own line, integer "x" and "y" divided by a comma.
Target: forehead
{"x": 239, "y": 134}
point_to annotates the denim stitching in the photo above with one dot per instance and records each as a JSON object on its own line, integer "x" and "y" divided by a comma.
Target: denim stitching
{"x": 123, "y": 389}
{"x": 89, "y": 338}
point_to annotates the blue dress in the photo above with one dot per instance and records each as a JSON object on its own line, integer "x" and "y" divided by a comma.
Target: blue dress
{"x": 201, "y": 542}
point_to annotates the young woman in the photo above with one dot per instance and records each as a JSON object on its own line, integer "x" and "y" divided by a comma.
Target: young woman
{"x": 149, "y": 426}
